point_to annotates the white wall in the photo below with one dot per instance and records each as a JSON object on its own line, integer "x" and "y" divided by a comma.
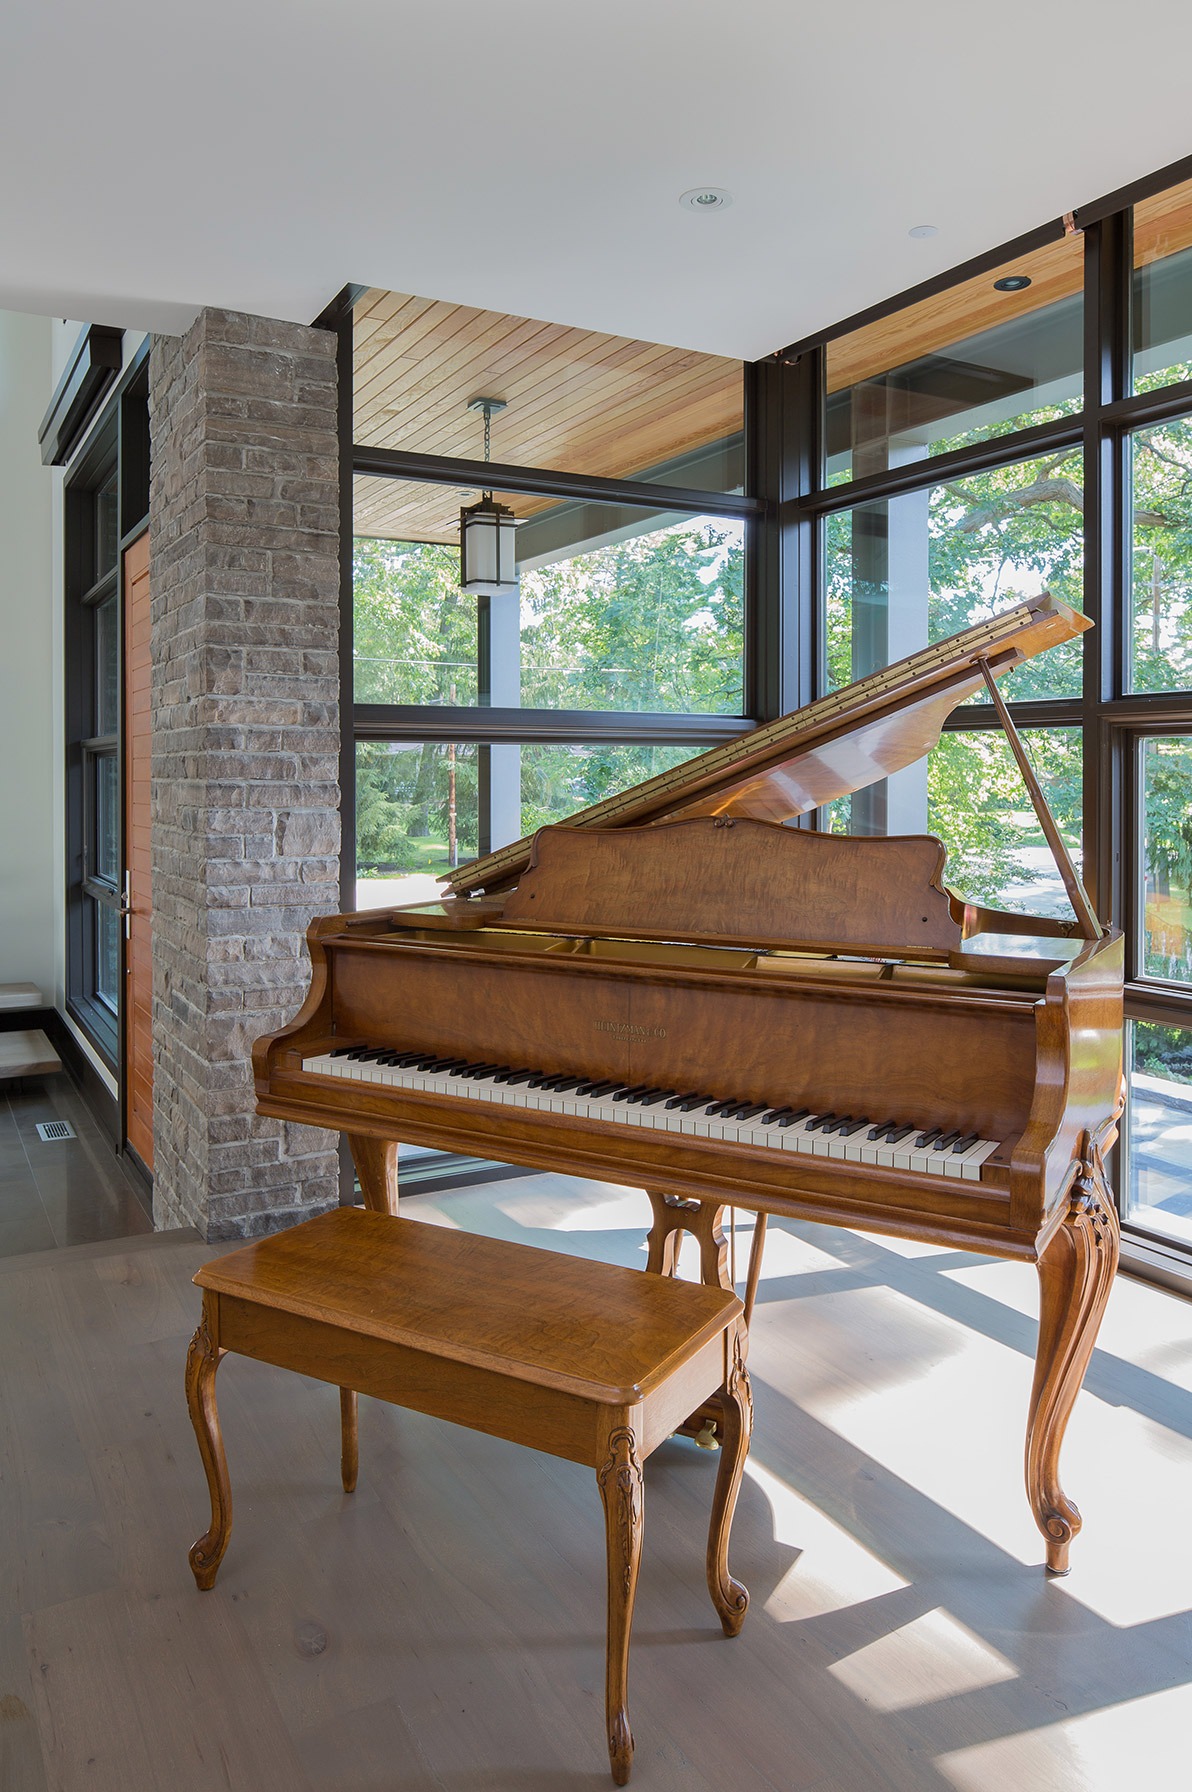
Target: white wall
{"x": 30, "y": 799}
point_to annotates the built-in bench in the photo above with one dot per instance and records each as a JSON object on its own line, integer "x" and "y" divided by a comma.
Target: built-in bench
{"x": 27, "y": 1052}
{"x": 587, "y": 1361}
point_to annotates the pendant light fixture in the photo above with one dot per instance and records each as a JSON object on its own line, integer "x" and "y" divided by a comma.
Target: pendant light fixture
{"x": 487, "y": 530}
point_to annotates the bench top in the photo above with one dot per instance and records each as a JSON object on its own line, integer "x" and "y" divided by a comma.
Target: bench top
{"x": 605, "y": 1333}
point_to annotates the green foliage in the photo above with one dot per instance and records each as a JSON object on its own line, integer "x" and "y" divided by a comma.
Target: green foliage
{"x": 558, "y": 780}
{"x": 651, "y": 623}
{"x": 978, "y": 806}
{"x": 403, "y": 803}
{"x": 415, "y": 632}
{"x": 1162, "y": 559}
{"x": 1163, "y": 1051}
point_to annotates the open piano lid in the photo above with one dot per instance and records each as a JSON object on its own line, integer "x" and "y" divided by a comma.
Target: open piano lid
{"x": 842, "y": 743}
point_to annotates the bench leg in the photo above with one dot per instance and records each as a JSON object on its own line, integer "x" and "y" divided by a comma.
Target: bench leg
{"x": 621, "y": 1489}
{"x": 736, "y": 1399}
{"x": 202, "y": 1360}
{"x": 349, "y": 1440}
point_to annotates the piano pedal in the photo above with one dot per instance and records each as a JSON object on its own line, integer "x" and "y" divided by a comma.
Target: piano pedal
{"x": 703, "y": 1428}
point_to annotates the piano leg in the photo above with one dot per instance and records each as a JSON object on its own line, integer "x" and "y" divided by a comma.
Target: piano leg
{"x": 1075, "y": 1275}
{"x": 376, "y": 1166}
{"x": 202, "y": 1360}
{"x": 621, "y": 1489}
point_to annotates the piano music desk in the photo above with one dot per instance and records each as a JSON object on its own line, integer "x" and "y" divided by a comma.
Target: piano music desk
{"x": 583, "y": 1360}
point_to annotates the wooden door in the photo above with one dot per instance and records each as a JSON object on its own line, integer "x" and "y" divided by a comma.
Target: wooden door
{"x": 138, "y": 959}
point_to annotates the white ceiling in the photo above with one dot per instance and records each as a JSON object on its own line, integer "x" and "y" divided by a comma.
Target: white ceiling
{"x": 528, "y": 155}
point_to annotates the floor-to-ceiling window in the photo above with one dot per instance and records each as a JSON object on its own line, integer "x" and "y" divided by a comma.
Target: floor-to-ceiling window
{"x": 1029, "y": 427}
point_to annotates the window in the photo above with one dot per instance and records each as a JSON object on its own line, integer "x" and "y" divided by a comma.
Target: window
{"x": 1165, "y": 862}
{"x": 1161, "y": 561}
{"x": 1163, "y": 289}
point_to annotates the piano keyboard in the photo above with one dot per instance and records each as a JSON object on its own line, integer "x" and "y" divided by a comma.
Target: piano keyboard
{"x": 855, "y": 1138}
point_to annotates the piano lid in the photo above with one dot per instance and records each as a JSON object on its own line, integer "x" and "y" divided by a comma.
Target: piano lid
{"x": 842, "y": 743}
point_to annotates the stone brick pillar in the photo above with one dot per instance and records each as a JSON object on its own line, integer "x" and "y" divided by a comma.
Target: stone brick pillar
{"x": 244, "y": 576}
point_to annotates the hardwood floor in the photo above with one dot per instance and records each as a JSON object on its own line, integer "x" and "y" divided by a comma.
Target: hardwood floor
{"x": 71, "y": 1191}
{"x": 443, "y": 1626}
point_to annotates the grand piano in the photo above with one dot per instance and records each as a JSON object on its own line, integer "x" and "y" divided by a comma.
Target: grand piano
{"x": 677, "y": 990}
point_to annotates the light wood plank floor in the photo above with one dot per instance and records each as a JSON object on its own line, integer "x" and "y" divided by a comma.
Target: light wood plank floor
{"x": 442, "y": 1628}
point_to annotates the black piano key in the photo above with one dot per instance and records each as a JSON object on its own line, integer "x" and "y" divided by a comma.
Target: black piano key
{"x": 719, "y": 1109}
{"x": 790, "y": 1119}
{"x": 772, "y": 1114}
{"x": 630, "y": 1091}
{"x": 967, "y": 1143}
{"x": 676, "y": 1101}
{"x": 692, "y": 1103}
{"x": 503, "y": 1076}
{"x": 927, "y": 1138}
{"x": 899, "y": 1133}
{"x": 748, "y": 1111}
{"x": 880, "y": 1132}
{"x": 477, "y": 1071}
{"x": 850, "y": 1127}
{"x": 518, "y": 1076}
{"x": 651, "y": 1098}
{"x": 822, "y": 1122}
{"x": 550, "y": 1084}
{"x": 563, "y": 1083}
{"x": 948, "y": 1140}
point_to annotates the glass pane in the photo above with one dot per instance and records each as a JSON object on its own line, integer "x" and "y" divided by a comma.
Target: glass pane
{"x": 107, "y": 954}
{"x": 1159, "y": 1130}
{"x": 415, "y": 630}
{"x": 104, "y": 857}
{"x": 973, "y": 362}
{"x": 107, "y": 531}
{"x": 1163, "y": 289}
{"x": 107, "y": 666}
{"x": 1166, "y": 945}
{"x": 558, "y": 780}
{"x": 651, "y": 621}
{"x": 1161, "y": 580}
{"x": 573, "y": 400}
{"x": 970, "y": 794}
{"x": 615, "y": 607}
{"x": 906, "y": 571}
{"x": 416, "y": 816}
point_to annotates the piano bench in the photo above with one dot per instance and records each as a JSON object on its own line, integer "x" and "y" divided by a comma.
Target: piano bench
{"x": 587, "y": 1361}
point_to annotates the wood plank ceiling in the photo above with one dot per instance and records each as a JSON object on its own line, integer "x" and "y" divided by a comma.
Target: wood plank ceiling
{"x": 584, "y": 402}
{"x": 576, "y": 401}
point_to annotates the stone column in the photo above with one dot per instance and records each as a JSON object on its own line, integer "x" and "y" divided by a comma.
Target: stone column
{"x": 244, "y": 577}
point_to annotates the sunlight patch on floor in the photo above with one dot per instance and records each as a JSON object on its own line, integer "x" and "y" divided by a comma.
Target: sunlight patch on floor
{"x": 933, "y": 1657}
{"x": 833, "y": 1570}
{"x": 1140, "y": 1743}
{"x": 613, "y": 1209}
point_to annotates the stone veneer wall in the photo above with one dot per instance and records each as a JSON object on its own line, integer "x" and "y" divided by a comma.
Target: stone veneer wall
{"x": 244, "y": 581}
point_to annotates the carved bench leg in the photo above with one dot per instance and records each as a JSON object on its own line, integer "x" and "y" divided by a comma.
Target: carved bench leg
{"x": 622, "y": 1490}
{"x": 202, "y": 1360}
{"x": 1075, "y": 1274}
{"x": 736, "y": 1399}
{"x": 349, "y": 1440}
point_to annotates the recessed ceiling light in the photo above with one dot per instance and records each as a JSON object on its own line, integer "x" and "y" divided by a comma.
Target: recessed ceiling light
{"x": 923, "y": 230}
{"x": 1012, "y": 283}
{"x": 706, "y": 199}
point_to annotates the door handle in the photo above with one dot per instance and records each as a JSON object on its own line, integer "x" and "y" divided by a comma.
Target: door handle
{"x": 125, "y": 908}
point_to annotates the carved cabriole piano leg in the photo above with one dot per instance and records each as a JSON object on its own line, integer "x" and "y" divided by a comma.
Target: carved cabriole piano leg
{"x": 1075, "y": 1275}
{"x": 202, "y": 1360}
{"x": 622, "y": 1490}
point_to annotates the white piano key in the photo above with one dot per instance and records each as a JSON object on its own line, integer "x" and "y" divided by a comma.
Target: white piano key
{"x": 657, "y": 1117}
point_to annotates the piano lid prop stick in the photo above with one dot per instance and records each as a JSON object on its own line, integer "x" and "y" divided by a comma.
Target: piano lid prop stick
{"x": 1090, "y": 926}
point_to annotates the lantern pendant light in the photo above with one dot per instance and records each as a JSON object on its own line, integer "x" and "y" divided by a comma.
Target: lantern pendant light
{"x": 487, "y": 530}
